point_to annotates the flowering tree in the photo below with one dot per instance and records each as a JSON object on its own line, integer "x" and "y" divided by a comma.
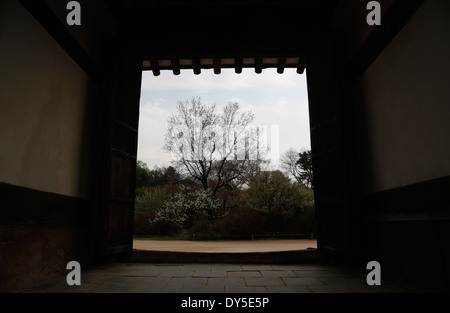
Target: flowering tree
{"x": 214, "y": 149}
{"x": 184, "y": 206}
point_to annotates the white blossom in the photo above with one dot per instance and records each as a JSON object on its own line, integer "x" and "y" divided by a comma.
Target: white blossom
{"x": 184, "y": 206}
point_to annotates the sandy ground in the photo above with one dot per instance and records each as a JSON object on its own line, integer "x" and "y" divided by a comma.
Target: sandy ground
{"x": 225, "y": 246}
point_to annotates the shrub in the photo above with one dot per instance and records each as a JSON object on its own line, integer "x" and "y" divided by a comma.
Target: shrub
{"x": 143, "y": 225}
{"x": 185, "y": 206}
{"x": 238, "y": 224}
{"x": 274, "y": 194}
{"x": 149, "y": 199}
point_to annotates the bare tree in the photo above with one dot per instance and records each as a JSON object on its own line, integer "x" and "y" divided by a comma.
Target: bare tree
{"x": 215, "y": 149}
{"x": 299, "y": 166}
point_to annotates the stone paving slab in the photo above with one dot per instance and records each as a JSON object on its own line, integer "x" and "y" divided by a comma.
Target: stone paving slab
{"x": 156, "y": 289}
{"x": 289, "y": 289}
{"x": 218, "y": 278}
{"x": 330, "y": 289}
{"x": 309, "y": 267}
{"x": 226, "y": 267}
{"x": 256, "y": 267}
{"x": 188, "y": 282}
{"x": 300, "y": 281}
{"x": 190, "y": 267}
{"x": 203, "y": 289}
{"x": 264, "y": 281}
{"x": 209, "y": 274}
{"x": 352, "y": 281}
{"x": 283, "y": 267}
{"x": 278, "y": 274}
{"x": 135, "y": 283}
{"x": 245, "y": 274}
{"x": 325, "y": 273}
{"x": 176, "y": 273}
{"x": 143, "y": 273}
{"x": 240, "y": 289}
{"x": 230, "y": 282}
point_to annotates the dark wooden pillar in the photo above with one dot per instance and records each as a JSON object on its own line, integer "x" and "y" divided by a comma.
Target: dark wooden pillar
{"x": 332, "y": 172}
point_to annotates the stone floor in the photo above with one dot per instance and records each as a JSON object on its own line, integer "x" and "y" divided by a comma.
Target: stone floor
{"x": 219, "y": 278}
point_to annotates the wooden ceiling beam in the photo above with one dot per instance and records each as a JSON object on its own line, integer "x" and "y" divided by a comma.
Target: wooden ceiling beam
{"x": 281, "y": 65}
{"x": 217, "y": 62}
{"x": 175, "y": 66}
{"x": 217, "y": 66}
{"x": 301, "y": 65}
{"x": 258, "y": 65}
{"x": 155, "y": 67}
{"x": 238, "y": 65}
{"x": 196, "y": 66}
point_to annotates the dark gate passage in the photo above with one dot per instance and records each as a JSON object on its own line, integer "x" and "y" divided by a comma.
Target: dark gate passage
{"x": 378, "y": 97}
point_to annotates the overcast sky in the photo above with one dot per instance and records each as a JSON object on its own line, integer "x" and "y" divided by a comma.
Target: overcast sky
{"x": 279, "y": 101}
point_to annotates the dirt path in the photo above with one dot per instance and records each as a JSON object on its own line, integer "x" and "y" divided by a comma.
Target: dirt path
{"x": 225, "y": 246}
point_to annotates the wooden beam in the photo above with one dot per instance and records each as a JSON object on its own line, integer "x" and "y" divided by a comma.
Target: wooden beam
{"x": 238, "y": 65}
{"x": 155, "y": 67}
{"x": 258, "y": 65}
{"x": 301, "y": 65}
{"x": 218, "y": 62}
{"x": 196, "y": 66}
{"x": 281, "y": 65}
{"x": 175, "y": 66}
{"x": 217, "y": 68}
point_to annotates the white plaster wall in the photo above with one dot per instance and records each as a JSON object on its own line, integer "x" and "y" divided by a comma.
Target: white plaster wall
{"x": 43, "y": 98}
{"x": 406, "y": 99}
